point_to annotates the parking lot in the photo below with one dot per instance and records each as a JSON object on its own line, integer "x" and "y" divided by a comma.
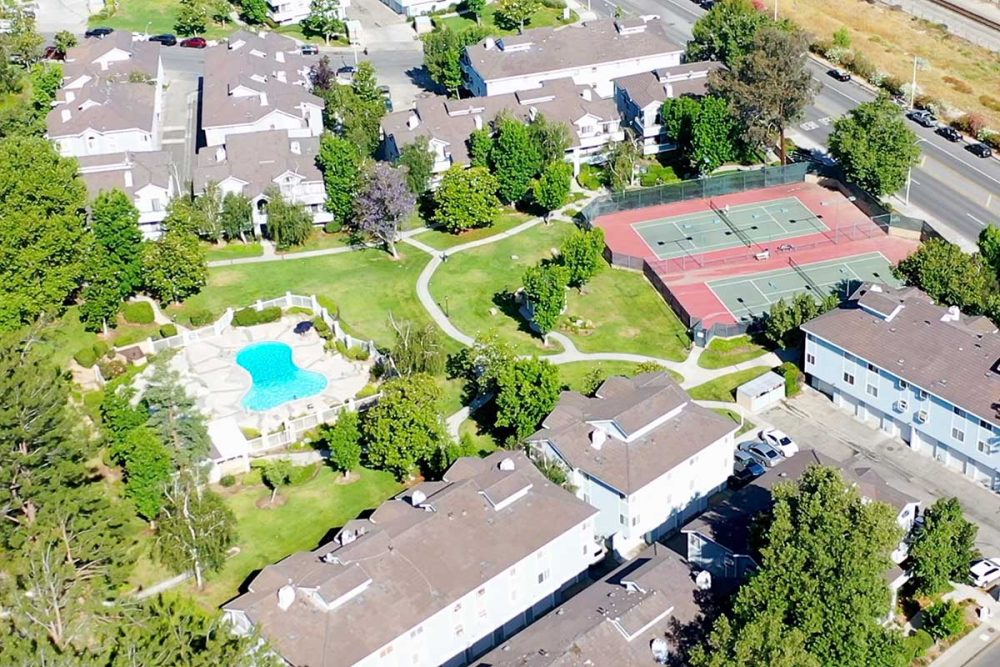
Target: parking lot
{"x": 813, "y": 421}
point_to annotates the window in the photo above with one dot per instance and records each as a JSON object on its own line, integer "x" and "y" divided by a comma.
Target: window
{"x": 903, "y": 384}
{"x": 872, "y": 390}
{"x": 810, "y": 359}
{"x": 481, "y": 592}
{"x": 385, "y": 651}
{"x": 635, "y": 520}
{"x": 983, "y": 447}
{"x": 848, "y": 378}
{"x": 459, "y": 630}
{"x": 984, "y": 424}
{"x": 458, "y": 608}
{"x": 871, "y": 367}
{"x": 543, "y": 576}
{"x": 621, "y": 519}
{"x": 585, "y": 550}
{"x": 957, "y": 410}
{"x": 958, "y": 434}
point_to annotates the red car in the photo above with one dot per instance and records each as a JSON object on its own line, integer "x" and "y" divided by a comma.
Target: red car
{"x": 194, "y": 43}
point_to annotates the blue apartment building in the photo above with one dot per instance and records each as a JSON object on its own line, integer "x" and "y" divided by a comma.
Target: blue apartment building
{"x": 925, "y": 373}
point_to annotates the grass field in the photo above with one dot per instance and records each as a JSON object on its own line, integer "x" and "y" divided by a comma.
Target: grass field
{"x": 234, "y": 250}
{"x": 575, "y": 376}
{"x": 723, "y": 388}
{"x": 154, "y": 16}
{"x": 366, "y": 286}
{"x": 542, "y": 18}
{"x": 722, "y": 352}
{"x": 443, "y": 240}
{"x": 745, "y": 428}
{"x": 320, "y": 240}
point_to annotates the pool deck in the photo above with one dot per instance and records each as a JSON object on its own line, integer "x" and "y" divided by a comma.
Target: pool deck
{"x": 212, "y": 377}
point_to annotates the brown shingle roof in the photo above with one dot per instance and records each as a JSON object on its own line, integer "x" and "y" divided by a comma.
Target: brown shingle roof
{"x": 258, "y": 158}
{"x": 105, "y": 107}
{"x": 107, "y": 172}
{"x": 650, "y": 87}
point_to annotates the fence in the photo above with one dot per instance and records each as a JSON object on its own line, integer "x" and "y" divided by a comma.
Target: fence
{"x": 703, "y": 336}
{"x": 701, "y": 188}
{"x": 296, "y": 429}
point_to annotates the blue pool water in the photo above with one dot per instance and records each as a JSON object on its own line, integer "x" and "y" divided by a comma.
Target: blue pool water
{"x": 276, "y": 378}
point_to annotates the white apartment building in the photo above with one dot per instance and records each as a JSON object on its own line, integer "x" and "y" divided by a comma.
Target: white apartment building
{"x": 641, "y": 452}
{"x": 437, "y": 576}
{"x": 148, "y": 178}
{"x": 293, "y": 11}
{"x": 592, "y": 53}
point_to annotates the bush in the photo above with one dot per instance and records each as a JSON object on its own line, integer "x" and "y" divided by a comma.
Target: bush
{"x": 227, "y": 481}
{"x": 168, "y": 331}
{"x": 200, "y": 318}
{"x": 301, "y": 474}
{"x": 333, "y": 227}
{"x": 554, "y": 4}
{"x": 138, "y": 312}
{"x": 112, "y": 368}
{"x": 927, "y": 103}
{"x": 101, "y": 348}
{"x": 322, "y": 328}
{"x": 254, "y": 477}
{"x": 892, "y": 85}
{"x": 358, "y": 353}
{"x": 248, "y": 317}
{"x": 944, "y": 619}
{"x": 916, "y": 645}
{"x": 958, "y": 84}
{"x": 366, "y": 391}
{"x": 970, "y": 123}
{"x": 589, "y": 177}
{"x": 992, "y": 139}
{"x": 793, "y": 378}
{"x": 990, "y": 102}
{"x": 860, "y": 65}
{"x": 86, "y": 357}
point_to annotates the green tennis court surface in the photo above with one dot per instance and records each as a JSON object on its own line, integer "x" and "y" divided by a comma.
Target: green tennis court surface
{"x": 729, "y": 227}
{"x": 750, "y": 296}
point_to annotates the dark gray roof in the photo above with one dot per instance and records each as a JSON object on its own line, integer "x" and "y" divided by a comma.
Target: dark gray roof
{"x": 645, "y": 598}
{"x": 108, "y": 172}
{"x": 633, "y": 405}
{"x": 591, "y": 43}
{"x": 670, "y": 82}
{"x": 418, "y": 562}
{"x": 902, "y": 331}
{"x": 83, "y": 59}
{"x": 105, "y": 106}
{"x": 257, "y": 159}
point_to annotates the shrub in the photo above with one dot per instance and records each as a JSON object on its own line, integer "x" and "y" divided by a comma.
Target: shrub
{"x": 366, "y": 391}
{"x": 247, "y": 317}
{"x": 86, "y": 357}
{"x": 200, "y": 317}
{"x": 168, "y": 330}
{"x": 333, "y": 227}
{"x": 927, "y": 102}
{"x": 254, "y": 477}
{"x": 944, "y": 619}
{"x": 138, "y": 312}
{"x": 554, "y": 4}
{"x": 820, "y": 46}
{"x": 992, "y": 139}
{"x": 793, "y": 378}
{"x": 101, "y": 348}
{"x": 227, "y": 481}
{"x": 358, "y": 353}
{"x": 958, "y": 84}
{"x": 860, "y": 65}
{"x": 892, "y": 85}
{"x": 112, "y": 368}
{"x": 589, "y": 177}
{"x": 916, "y": 645}
{"x": 301, "y": 474}
{"x": 971, "y": 123}
{"x": 990, "y": 102}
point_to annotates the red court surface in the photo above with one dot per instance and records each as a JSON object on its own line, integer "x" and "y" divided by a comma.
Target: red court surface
{"x": 683, "y": 281}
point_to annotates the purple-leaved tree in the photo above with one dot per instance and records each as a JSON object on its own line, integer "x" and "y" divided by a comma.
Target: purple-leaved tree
{"x": 383, "y": 203}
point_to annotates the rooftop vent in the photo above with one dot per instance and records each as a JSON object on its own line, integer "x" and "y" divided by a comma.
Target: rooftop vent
{"x": 128, "y": 179}
{"x": 220, "y": 154}
{"x": 412, "y": 121}
{"x": 489, "y": 43}
{"x": 586, "y": 94}
{"x": 418, "y": 498}
{"x": 478, "y": 120}
{"x": 506, "y": 464}
{"x": 951, "y": 315}
{"x": 661, "y": 650}
{"x": 597, "y": 438}
{"x": 296, "y": 148}
{"x": 65, "y": 114}
{"x": 875, "y": 288}
{"x": 286, "y": 596}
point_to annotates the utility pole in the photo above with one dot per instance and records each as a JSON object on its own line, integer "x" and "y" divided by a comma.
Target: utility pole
{"x": 775, "y": 11}
{"x": 913, "y": 84}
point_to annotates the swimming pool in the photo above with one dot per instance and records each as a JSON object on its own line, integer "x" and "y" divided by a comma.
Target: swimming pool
{"x": 276, "y": 378}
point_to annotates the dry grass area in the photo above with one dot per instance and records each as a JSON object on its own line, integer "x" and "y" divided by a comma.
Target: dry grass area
{"x": 890, "y": 39}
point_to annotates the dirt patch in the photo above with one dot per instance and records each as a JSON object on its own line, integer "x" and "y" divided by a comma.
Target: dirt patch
{"x": 629, "y": 332}
{"x": 265, "y": 503}
{"x": 226, "y": 277}
{"x": 350, "y": 478}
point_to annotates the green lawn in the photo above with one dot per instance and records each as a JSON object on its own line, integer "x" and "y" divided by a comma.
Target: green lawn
{"x": 747, "y": 425}
{"x": 575, "y": 375}
{"x": 722, "y": 352}
{"x": 66, "y": 337}
{"x": 156, "y": 16}
{"x": 234, "y": 250}
{"x": 365, "y": 285}
{"x": 320, "y": 240}
{"x": 542, "y": 18}
{"x": 294, "y": 30}
{"x": 484, "y": 441}
{"x": 451, "y": 395}
{"x": 723, "y": 388}
{"x": 443, "y": 240}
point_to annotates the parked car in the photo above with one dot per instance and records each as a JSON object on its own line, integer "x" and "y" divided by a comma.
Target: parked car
{"x": 347, "y": 72}
{"x": 922, "y": 117}
{"x": 949, "y": 133}
{"x": 979, "y": 150}
{"x": 745, "y": 469}
{"x": 780, "y": 441}
{"x": 309, "y": 50}
{"x": 765, "y": 454}
{"x": 98, "y": 32}
{"x": 165, "y": 40}
{"x": 985, "y": 572}
{"x": 194, "y": 43}
{"x": 707, "y": 4}
{"x": 839, "y": 74}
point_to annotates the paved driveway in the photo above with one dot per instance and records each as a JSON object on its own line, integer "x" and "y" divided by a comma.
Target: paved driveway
{"x": 814, "y": 421}
{"x": 56, "y": 15}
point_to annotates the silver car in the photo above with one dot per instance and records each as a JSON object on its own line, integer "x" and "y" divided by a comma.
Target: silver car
{"x": 765, "y": 454}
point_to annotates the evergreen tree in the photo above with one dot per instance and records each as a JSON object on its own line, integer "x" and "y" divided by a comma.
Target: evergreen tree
{"x": 950, "y": 276}
{"x": 175, "y": 419}
{"x": 148, "y": 466}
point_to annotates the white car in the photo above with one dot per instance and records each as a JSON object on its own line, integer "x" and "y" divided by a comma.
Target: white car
{"x": 780, "y": 441}
{"x": 985, "y": 572}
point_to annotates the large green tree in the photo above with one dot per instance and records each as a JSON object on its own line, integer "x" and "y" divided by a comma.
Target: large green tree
{"x": 529, "y": 389}
{"x": 236, "y": 218}
{"x": 713, "y": 134}
{"x": 148, "y": 466}
{"x": 989, "y": 247}
{"x": 340, "y": 161}
{"x": 405, "y": 427}
{"x": 288, "y": 223}
{"x": 515, "y": 158}
{"x": 950, "y": 276}
{"x": 875, "y": 146}
{"x": 820, "y": 593}
{"x": 582, "y": 253}
{"x": 553, "y": 185}
{"x": 466, "y": 198}
{"x": 114, "y": 221}
{"x": 174, "y": 266}
{"x": 678, "y": 115}
{"x": 417, "y": 159}
{"x": 174, "y": 417}
{"x": 726, "y": 32}
{"x": 551, "y": 137}
{"x": 323, "y": 19}
{"x": 195, "y": 530}
{"x": 344, "y": 441}
{"x": 44, "y": 245}
{"x": 511, "y": 14}
{"x": 545, "y": 288}
{"x": 942, "y": 548}
{"x": 418, "y": 349}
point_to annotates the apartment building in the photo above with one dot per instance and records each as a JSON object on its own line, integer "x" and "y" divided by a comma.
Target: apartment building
{"x": 592, "y": 53}
{"x": 437, "y": 576}
{"x": 920, "y": 371}
{"x": 147, "y": 177}
{"x": 641, "y": 452}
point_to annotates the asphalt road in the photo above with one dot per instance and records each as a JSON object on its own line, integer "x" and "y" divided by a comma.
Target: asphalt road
{"x": 950, "y": 186}
{"x": 988, "y": 658}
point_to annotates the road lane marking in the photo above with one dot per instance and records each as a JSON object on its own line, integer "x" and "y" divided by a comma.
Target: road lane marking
{"x": 976, "y": 219}
{"x": 808, "y": 125}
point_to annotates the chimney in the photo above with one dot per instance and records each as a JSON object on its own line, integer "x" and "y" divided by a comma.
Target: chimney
{"x": 220, "y": 154}
{"x": 286, "y": 596}
{"x": 597, "y": 438}
{"x": 952, "y": 315}
{"x": 282, "y": 77}
{"x": 669, "y": 90}
{"x": 418, "y": 498}
{"x": 586, "y": 94}
{"x": 478, "y": 121}
{"x": 128, "y": 178}
{"x": 296, "y": 148}
{"x": 489, "y": 43}
{"x": 263, "y": 99}
{"x": 506, "y": 464}
{"x": 413, "y": 121}
{"x": 66, "y": 114}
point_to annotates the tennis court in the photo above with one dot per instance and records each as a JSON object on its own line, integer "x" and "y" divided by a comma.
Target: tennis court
{"x": 759, "y": 224}
{"x": 750, "y": 296}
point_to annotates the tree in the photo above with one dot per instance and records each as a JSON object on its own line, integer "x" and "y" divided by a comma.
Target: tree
{"x": 949, "y": 275}
{"x": 781, "y": 325}
{"x": 466, "y": 199}
{"x": 322, "y": 76}
{"x": 288, "y": 224}
{"x": 383, "y": 203}
{"x": 208, "y": 206}
{"x": 64, "y": 40}
{"x": 582, "y": 253}
{"x": 404, "y": 427}
{"x": 21, "y": 42}
{"x": 726, "y": 33}
{"x": 768, "y": 87}
{"x": 679, "y": 115}
{"x": 515, "y": 158}
{"x": 545, "y": 288}
{"x": 551, "y": 138}
{"x": 41, "y": 205}
{"x": 174, "y": 266}
{"x": 174, "y": 417}
{"x": 820, "y": 592}
{"x": 942, "y": 548}
{"x": 443, "y": 53}
{"x": 148, "y": 466}
{"x": 365, "y": 84}
{"x": 253, "y": 11}
{"x": 340, "y": 161}
{"x": 944, "y": 619}
{"x": 480, "y": 147}
{"x": 476, "y": 8}
{"x": 712, "y": 136}
{"x": 989, "y": 247}
{"x": 115, "y": 271}
{"x": 621, "y": 162}
{"x": 276, "y": 473}
{"x": 418, "y": 349}
{"x": 356, "y": 119}
{"x": 344, "y": 441}
{"x": 874, "y": 146}
{"x": 512, "y": 14}
{"x": 553, "y": 185}
{"x": 102, "y": 294}
{"x": 192, "y": 17}
{"x": 529, "y": 389}
{"x": 236, "y": 218}
{"x": 482, "y": 364}
{"x": 323, "y": 19}
{"x": 184, "y": 215}
{"x": 417, "y": 159}
{"x": 119, "y": 416}
{"x": 195, "y": 531}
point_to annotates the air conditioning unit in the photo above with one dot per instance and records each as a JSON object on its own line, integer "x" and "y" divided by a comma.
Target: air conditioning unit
{"x": 901, "y": 405}
{"x": 921, "y": 417}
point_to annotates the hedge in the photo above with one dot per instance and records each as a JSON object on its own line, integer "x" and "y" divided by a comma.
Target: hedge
{"x": 86, "y": 357}
{"x": 248, "y": 317}
{"x": 101, "y": 348}
{"x": 916, "y": 645}
{"x": 793, "y": 378}
{"x": 227, "y": 481}
{"x": 168, "y": 330}
{"x": 200, "y": 318}
{"x": 366, "y": 391}
{"x": 138, "y": 312}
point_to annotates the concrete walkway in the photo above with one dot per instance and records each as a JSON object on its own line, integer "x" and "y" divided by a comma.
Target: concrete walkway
{"x": 270, "y": 254}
